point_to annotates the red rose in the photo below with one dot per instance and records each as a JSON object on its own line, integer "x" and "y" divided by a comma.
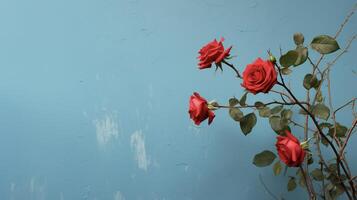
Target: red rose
{"x": 290, "y": 150}
{"x": 260, "y": 76}
{"x": 199, "y": 109}
{"x": 212, "y": 52}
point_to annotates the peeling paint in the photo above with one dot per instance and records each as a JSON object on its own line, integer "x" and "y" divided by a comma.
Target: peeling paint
{"x": 137, "y": 142}
{"x": 106, "y": 129}
{"x": 118, "y": 196}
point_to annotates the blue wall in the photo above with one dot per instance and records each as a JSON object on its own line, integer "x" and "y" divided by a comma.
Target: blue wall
{"x": 94, "y": 96}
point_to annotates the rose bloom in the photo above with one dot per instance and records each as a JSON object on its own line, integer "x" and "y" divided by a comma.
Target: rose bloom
{"x": 198, "y": 109}
{"x": 290, "y": 150}
{"x": 212, "y": 52}
{"x": 260, "y": 76}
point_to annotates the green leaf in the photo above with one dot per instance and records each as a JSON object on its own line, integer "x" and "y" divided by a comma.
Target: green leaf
{"x": 310, "y": 81}
{"x": 286, "y": 114}
{"x": 325, "y": 125}
{"x": 302, "y": 182}
{"x": 236, "y": 114}
{"x": 259, "y": 105}
{"x": 233, "y": 101}
{"x": 289, "y": 58}
{"x": 324, "y": 141}
{"x": 317, "y": 175}
{"x": 298, "y": 38}
{"x": 291, "y": 184}
{"x": 310, "y": 159}
{"x": 275, "y": 123}
{"x": 264, "y": 112}
{"x": 276, "y": 109}
{"x": 247, "y": 123}
{"x": 277, "y": 168}
{"x": 303, "y": 112}
{"x": 321, "y": 111}
{"x": 264, "y": 158}
{"x": 324, "y": 44}
{"x": 302, "y": 55}
{"x": 319, "y": 96}
{"x": 243, "y": 99}
{"x": 286, "y": 71}
{"x": 340, "y": 130}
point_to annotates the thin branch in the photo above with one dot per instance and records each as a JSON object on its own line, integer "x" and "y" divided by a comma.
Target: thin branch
{"x": 338, "y": 159}
{"x": 266, "y": 104}
{"x": 345, "y": 50}
{"x": 323, "y": 181}
{"x": 348, "y": 136}
{"x": 348, "y": 17}
{"x": 309, "y": 189}
{"x": 344, "y": 105}
{"x": 283, "y": 94}
{"x": 232, "y": 66}
{"x": 329, "y": 65}
{"x": 301, "y": 126}
{"x": 315, "y": 67}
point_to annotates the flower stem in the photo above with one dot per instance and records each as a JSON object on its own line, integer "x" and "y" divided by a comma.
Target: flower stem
{"x": 232, "y": 66}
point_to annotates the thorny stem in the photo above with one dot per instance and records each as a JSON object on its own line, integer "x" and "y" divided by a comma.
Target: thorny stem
{"x": 323, "y": 181}
{"x": 315, "y": 67}
{"x": 232, "y": 66}
{"x": 338, "y": 159}
{"x": 348, "y": 136}
{"x": 254, "y": 106}
{"x": 283, "y": 94}
{"x": 306, "y": 135}
{"x": 309, "y": 188}
{"x": 344, "y": 105}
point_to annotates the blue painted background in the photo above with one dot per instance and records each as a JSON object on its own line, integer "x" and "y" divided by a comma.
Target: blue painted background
{"x": 94, "y": 96}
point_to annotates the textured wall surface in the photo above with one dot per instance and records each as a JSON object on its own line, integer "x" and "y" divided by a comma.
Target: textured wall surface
{"x": 94, "y": 96}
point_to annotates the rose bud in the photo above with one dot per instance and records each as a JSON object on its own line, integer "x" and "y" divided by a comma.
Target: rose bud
{"x": 212, "y": 52}
{"x": 199, "y": 110}
{"x": 260, "y": 76}
{"x": 290, "y": 150}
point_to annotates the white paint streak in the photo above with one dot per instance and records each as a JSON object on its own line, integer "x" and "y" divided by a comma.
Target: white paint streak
{"x": 37, "y": 190}
{"x": 32, "y": 185}
{"x": 137, "y": 142}
{"x": 106, "y": 129}
{"x": 118, "y": 196}
{"x": 12, "y": 187}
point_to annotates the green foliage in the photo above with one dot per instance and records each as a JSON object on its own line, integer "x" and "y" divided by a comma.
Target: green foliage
{"x": 264, "y": 158}
{"x": 277, "y": 109}
{"x": 317, "y": 175}
{"x": 310, "y": 81}
{"x": 291, "y": 184}
{"x": 265, "y": 112}
{"x": 298, "y": 38}
{"x": 321, "y": 111}
{"x": 233, "y": 101}
{"x": 286, "y": 114}
{"x": 286, "y": 71}
{"x": 289, "y": 58}
{"x": 275, "y": 123}
{"x": 277, "y": 168}
{"x": 324, "y": 44}
{"x": 247, "y": 123}
{"x": 243, "y": 99}
{"x": 259, "y": 105}
{"x": 302, "y": 55}
{"x": 236, "y": 114}
{"x": 340, "y": 130}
